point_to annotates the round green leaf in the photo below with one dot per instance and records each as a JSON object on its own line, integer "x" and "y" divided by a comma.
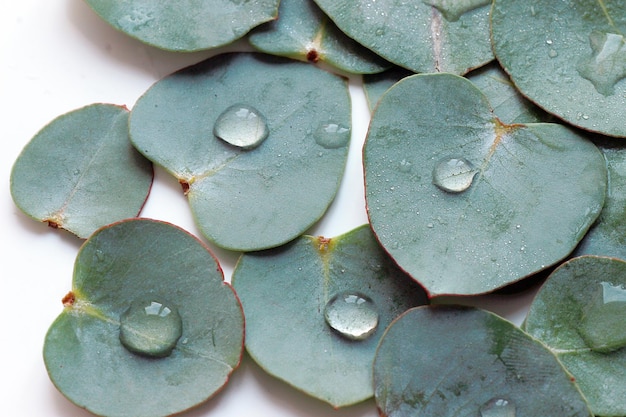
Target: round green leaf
{"x": 452, "y": 361}
{"x": 80, "y": 172}
{"x": 466, "y": 204}
{"x": 375, "y": 85}
{"x": 187, "y": 25}
{"x": 292, "y": 295}
{"x": 607, "y": 237}
{"x": 304, "y": 32}
{"x": 249, "y": 199}
{"x": 579, "y": 314}
{"x": 423, "y": 36}
{"x": 156, "y": 267}
{"x": 567, "y": 56}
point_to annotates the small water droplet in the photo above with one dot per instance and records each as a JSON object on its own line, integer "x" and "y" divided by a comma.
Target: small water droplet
{"x": 549, "y": 41}
{"x": 453, "y": 175}
{"x": 351, "y": 314}
{"x": 552, "y": 53}
{"x": 405, "y": 166}
{"x": 332, "y": 135}
{"x": 606, "y": 65}
{"x": 150, "y": 328}
{"x": 497, "y": 407}
{"x": 242, "y": 126}
{"x": 602, "y": 322}
{"x": 77, "y": 172}
{"x": 430, "y": 225}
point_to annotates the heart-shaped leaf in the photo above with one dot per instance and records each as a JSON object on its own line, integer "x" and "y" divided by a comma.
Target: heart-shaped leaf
{"x": 567, "y": 56}
{"x": 579, "y": 314}
{"x": 80, "y": 172}
{"x": 465, "y": 203}
{"x": 315, "y": 310}
{"x": 450, "y": 361}
{"x": 149, "y": 329}
{"x": 304, "y": 32}
{"x": 249, "y": 199}
{"x": 423, "y": 36}
{"x": 187, "y": 25}
{"x": 607, "y": 237}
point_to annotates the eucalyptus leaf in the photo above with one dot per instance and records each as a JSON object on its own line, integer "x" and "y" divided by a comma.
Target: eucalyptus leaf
{"x": 465, "y": 203}
{"x": 80, "y": 172}
{"x": 304, "y": 32}
{"x": 149, "y": 329}
{"x": 423, "y": 36}
{"x": 241, "y": 198}
{"x": 452, "y": 361}
{"x": 579, "y": 314}
{"x": 569, "y": 57}
{"x": 607, "y": 237}
{"x": 187, "y": 25}
{"x": 316, "y": 308}
{"x": 375, "y": 85}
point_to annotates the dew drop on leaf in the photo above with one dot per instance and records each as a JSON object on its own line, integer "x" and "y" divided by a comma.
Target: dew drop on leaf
{"x": 497, "y": 407}
{"x": 351, "y": 314}
{"x": 242, "y": 126}
{"x": 150, "y": 328}
{"x": 602, "y": 324}
{"x": 332, "y": 135}
{"x": 607, "y": 64}
{"x": 453, "y": 175}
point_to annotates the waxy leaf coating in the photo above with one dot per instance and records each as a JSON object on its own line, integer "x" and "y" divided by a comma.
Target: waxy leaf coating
{"x": 80, "y": 172}
{"x": 569, "y": 57}
{"x": 186, "y": 25}
{"x": 452, "y": 361}
{"x": 579, "y": 314}
{"x": 249, "y": 199}
{"x": 316, "y": 308}
{"x": 465, "y": 203}
{"x": 423, "y": 36}
{"x": 149, "y": 328}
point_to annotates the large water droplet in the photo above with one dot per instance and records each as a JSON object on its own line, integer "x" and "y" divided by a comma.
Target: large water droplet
{"x": 332, "y": 135}
{"x": 453, "y": 175}
{"x": 150, "y": 328}
{"x": 497, "y": 407}
{"x": 242, "y": 126}
{"x": 351, "y": 314}
{"x": 602, "y": 323}
{"x": 607, "y": 64}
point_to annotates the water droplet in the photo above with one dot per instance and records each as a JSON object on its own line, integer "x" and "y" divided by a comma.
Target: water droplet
{"x": 602, "y": 322}
{"x": 77, "y": 172}
{"x": 497, "y": 407}
{"x": 332, "y": 135}
{"x": 405, "y": 166}
{"x": 453, "y": 10}
{"x": 351, "y": 314}
{"x": 549, "y": 41}
{"x": 453, "y": 175}
{"x": 242, "y": 126}
{"x": 606, "y": 65}
{"x": 552, "y": 53}
{"x": 150, "y": 328}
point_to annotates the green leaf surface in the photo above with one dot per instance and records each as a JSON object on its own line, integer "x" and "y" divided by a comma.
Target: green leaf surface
{"x": 466, "y": 204}
{"x": 375, "y": 85}
{"x": 287, "y": 292}
{"x": 507, "y": 103}
{"x": 451, "y": 361}
{"x": 304, "y": 32}
{"x": 579, "y": 314}
{"x": 187, "y": 25}
{"x": 80, "y": 172}
{"x": 154, "y": 264}
{"x": 607, "y": 237}
{"x": 423, "y": 36}
{"x": 569, "y": 57}
{"x": 249, "y": 199}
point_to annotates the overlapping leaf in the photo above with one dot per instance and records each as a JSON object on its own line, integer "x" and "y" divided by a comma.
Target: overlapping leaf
{"x": 286, "y": 294}
{"x": 144, "y": 261}
{"x": 249, "y": 199}
{"x": 465, "y": 203}
{"x": 80, "y": 172}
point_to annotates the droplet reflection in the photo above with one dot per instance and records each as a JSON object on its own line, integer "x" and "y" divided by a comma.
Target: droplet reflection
{"x": 242, "y": 126}
{"x": 351, "y": 314}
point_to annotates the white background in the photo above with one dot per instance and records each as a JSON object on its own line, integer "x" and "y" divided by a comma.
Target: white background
{"x": 57, "y": 56}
